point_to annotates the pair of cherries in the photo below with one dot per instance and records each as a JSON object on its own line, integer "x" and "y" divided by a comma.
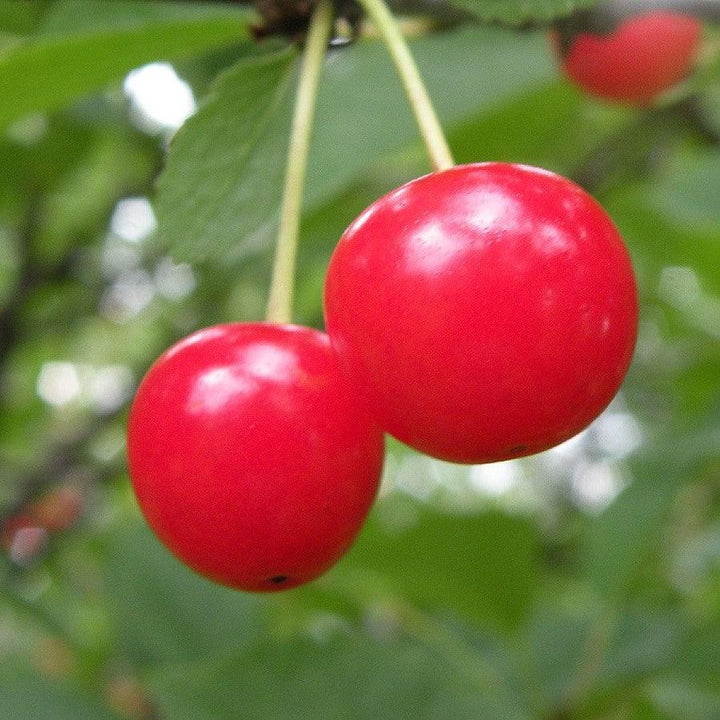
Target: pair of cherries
{"x": 477, "y": 314}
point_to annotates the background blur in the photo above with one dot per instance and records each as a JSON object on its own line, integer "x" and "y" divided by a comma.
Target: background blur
{"x": 580, "y": 583}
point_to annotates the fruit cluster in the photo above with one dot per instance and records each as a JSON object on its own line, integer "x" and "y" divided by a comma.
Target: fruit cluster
{"x": 477, "y": 314}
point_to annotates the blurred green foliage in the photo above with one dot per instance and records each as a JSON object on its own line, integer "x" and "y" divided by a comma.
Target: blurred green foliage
{"x": 582, "y": 583}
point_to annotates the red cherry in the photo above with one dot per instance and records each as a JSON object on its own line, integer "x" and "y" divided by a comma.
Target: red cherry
{"x": 642, "y": 57}
{"x": 488, "y": 311}
{"x": 252, "y": 458}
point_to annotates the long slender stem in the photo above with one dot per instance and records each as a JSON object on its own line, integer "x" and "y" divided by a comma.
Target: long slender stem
{"x": 279, "y": 307}
{"x": 430, "y": 128}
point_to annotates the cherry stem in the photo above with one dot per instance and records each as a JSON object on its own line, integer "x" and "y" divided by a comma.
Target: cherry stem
{"x": 279, "y": 308}
{"x": 430, "y": 128}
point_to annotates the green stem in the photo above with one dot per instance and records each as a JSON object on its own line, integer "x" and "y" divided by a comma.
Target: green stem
{"x": 430, "y": 128}
{"x": 279, "y": 307}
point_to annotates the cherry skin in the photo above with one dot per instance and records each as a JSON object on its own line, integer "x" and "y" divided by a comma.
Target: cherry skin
{"x": 486, "y": 312}
{"x": 640, "y": 58}
{"x": 251, "y": 457}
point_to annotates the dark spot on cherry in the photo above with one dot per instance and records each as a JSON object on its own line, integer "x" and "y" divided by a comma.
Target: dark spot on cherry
{"x": 278, "y": 579}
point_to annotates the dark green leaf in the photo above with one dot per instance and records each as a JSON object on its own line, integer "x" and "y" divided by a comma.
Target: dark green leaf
{"x": 26, "y": 694}
{"x": 519, "y": 12}
{"x": 221, "y": 188}
{"x": 683, "y": 700}
{"x": 74, "y": 16}
{"x": 555, "y": 643}
{"x": 47, "y": 72}
{"x": 618, "y": 542}
{"x": 165, "y": 612}
{"x": 698, "y": 657}
{"x": 21, "y": 17}
{"x": 645, "y": 641}
{"x": 689, "y": 191}
{"x": 78, "y": 207}
{"x": 482, "y": 566}
{"x": 350, "y": 677}
{"x": 496, "y": 135}
{"x": 643, "y": 709}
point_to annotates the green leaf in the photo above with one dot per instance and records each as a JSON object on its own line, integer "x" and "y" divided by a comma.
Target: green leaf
{"x": 26, "y": 694}
{"x": 221, "y": 187}
{"x": 554, "y": 642}
{"x": 75, "y": 16}
{"x": 49, "y": 71}
{"x": 687, "y": 192}
{"x": 575, "y": 654}
{"x": 21, "y": 17}
{"x": 162, "y": 611}
{"x": 519, "y": 12}
{"x": 112, "y": 164}
{"x": 683, "y": 700}
{"x": 645, "y": 641}
{"x": 618, "y": 542}
{"x": 698, "y": 658}
{"x": 496, "y": 134}
{"x": 351, "y": 677}
{"x": 643, "y": 709}
{"x": 481, "y": 566}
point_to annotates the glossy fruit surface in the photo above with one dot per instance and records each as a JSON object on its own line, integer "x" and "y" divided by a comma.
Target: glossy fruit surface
{"x": 640, "y": 58}
{"x": 251, "y": 457}
{"x": 488, "y": 311}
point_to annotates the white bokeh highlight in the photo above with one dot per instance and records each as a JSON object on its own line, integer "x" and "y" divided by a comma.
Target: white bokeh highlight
{"x": 160, "y": 101}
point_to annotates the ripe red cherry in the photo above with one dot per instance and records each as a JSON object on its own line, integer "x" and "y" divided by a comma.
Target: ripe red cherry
{"x": 251, "y": 457}
{"x": 488, "y": 311}
{"x": 640, "y": 58}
